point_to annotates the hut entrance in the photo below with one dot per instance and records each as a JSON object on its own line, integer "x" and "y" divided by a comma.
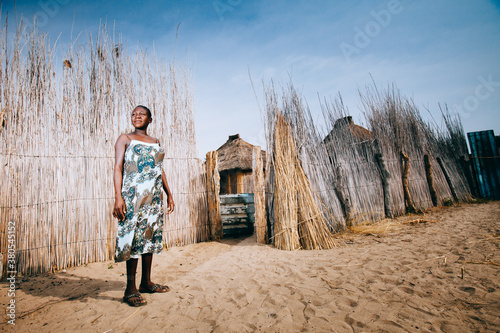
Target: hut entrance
{"x": 236, "y": 207}
{"x": 237, "y": 214}
{"x": 236, "y": 203}
{"x": 235, "y": 181}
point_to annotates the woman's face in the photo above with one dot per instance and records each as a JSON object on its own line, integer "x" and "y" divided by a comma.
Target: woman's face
{"x": 140, "y": 118}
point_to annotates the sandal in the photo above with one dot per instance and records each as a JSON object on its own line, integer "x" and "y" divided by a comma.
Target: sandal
{"x": 128, "y": 299}
{"x": 155, "y": 289}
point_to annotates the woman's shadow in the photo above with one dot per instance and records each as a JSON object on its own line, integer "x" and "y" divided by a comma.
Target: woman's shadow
{"x": 60, "y": 287}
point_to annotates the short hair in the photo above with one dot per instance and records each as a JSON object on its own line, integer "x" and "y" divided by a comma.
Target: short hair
{"x": 145, "y": 108}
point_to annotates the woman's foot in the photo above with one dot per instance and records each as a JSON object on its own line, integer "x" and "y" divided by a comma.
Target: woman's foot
{"x": 134, "y": 300}
{"x": 152, "y": 288}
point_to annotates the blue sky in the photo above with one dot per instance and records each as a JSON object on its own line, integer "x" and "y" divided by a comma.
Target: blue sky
{"x": 435, "y": 51}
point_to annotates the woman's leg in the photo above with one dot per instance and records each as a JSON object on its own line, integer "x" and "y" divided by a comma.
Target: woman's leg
{"x": 136, "y": 299}
{"x": 131, "y": 271}
{"x": 146, "y": 284}
{"x": 147, "y": 261}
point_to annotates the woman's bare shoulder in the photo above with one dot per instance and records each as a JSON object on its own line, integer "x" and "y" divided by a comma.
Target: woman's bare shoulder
{"x": 123, "y": 139}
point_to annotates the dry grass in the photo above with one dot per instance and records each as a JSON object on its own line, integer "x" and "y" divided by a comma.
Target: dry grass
{"x": 380, "y": 227}
{"x": 418, "y": 221}
{"x": 393, "y": 224}
{"x": 385, "y": 226}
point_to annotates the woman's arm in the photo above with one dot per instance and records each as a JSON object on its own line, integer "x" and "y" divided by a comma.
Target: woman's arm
{"x": 170, "y": 199}
{"x": 119, "y": 210}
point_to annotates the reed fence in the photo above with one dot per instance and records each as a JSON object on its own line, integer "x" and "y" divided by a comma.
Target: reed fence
{"x": 62, "y": 111}
{"x": 400, "y": 164}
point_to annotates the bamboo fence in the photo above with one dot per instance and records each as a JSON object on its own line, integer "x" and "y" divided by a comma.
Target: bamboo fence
{"x": 62, "y": 113}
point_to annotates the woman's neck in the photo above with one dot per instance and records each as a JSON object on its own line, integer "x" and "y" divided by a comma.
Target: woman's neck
{"x": 140, "y": 132}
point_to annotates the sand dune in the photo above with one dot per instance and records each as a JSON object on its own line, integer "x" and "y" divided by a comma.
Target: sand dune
{"x": 408, "y": 279}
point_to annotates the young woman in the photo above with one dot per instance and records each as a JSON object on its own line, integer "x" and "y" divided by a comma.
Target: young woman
{"x": 139, "y": 180}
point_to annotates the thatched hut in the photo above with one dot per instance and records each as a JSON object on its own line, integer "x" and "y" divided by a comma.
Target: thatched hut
{"x": 350, "y": 149}
{"x": 359, "y": 133}
{"x": 235, "y": 166}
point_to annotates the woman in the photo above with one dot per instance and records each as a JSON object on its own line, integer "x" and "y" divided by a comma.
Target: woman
{"x": 138, "y": 180}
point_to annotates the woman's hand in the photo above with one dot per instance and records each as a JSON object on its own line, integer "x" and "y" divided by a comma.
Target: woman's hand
{"x": 119, "y": 211}
{"x": 170, "y": 200}
{"x": 171, "y": 205}
{"x": 120, "y": 146}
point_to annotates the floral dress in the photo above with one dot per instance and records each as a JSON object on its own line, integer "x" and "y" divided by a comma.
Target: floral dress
{"x": 141, "y": 230}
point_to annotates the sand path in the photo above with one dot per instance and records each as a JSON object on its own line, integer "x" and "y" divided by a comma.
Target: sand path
{"x": 406, "y": 280}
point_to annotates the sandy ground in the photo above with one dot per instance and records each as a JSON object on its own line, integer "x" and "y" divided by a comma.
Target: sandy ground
{"x": 430, "y": 277}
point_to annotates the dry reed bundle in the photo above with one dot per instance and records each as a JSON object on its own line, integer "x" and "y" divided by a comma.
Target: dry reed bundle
{"x": 313, "y": 230}
{"x": 299, "y": 221}
{"x": 285, "y": 190}
{"x": 57, "y": 146}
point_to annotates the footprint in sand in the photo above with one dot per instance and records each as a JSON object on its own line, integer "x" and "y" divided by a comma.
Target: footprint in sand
{"x": 470, "y": 290}
{"x": 407, "y": 290}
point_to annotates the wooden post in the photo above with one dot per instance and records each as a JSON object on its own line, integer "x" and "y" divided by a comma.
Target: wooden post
{"x": 259, "y": 196}
{"x": 385, "y": 177}
{"x": 471, "y": 180}
{"x": 240, "y": 187}
{"x": 448, "y": 180}
{"x": 410, "y": 207}
{"x": 343, "y": 195}
{"x": 430, "y": 180}
{"x": 213, "y": 187}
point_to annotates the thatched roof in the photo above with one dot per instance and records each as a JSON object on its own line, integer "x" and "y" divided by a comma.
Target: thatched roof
{"x": 359, "y": 132}
{"x": 236, "y": 154}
